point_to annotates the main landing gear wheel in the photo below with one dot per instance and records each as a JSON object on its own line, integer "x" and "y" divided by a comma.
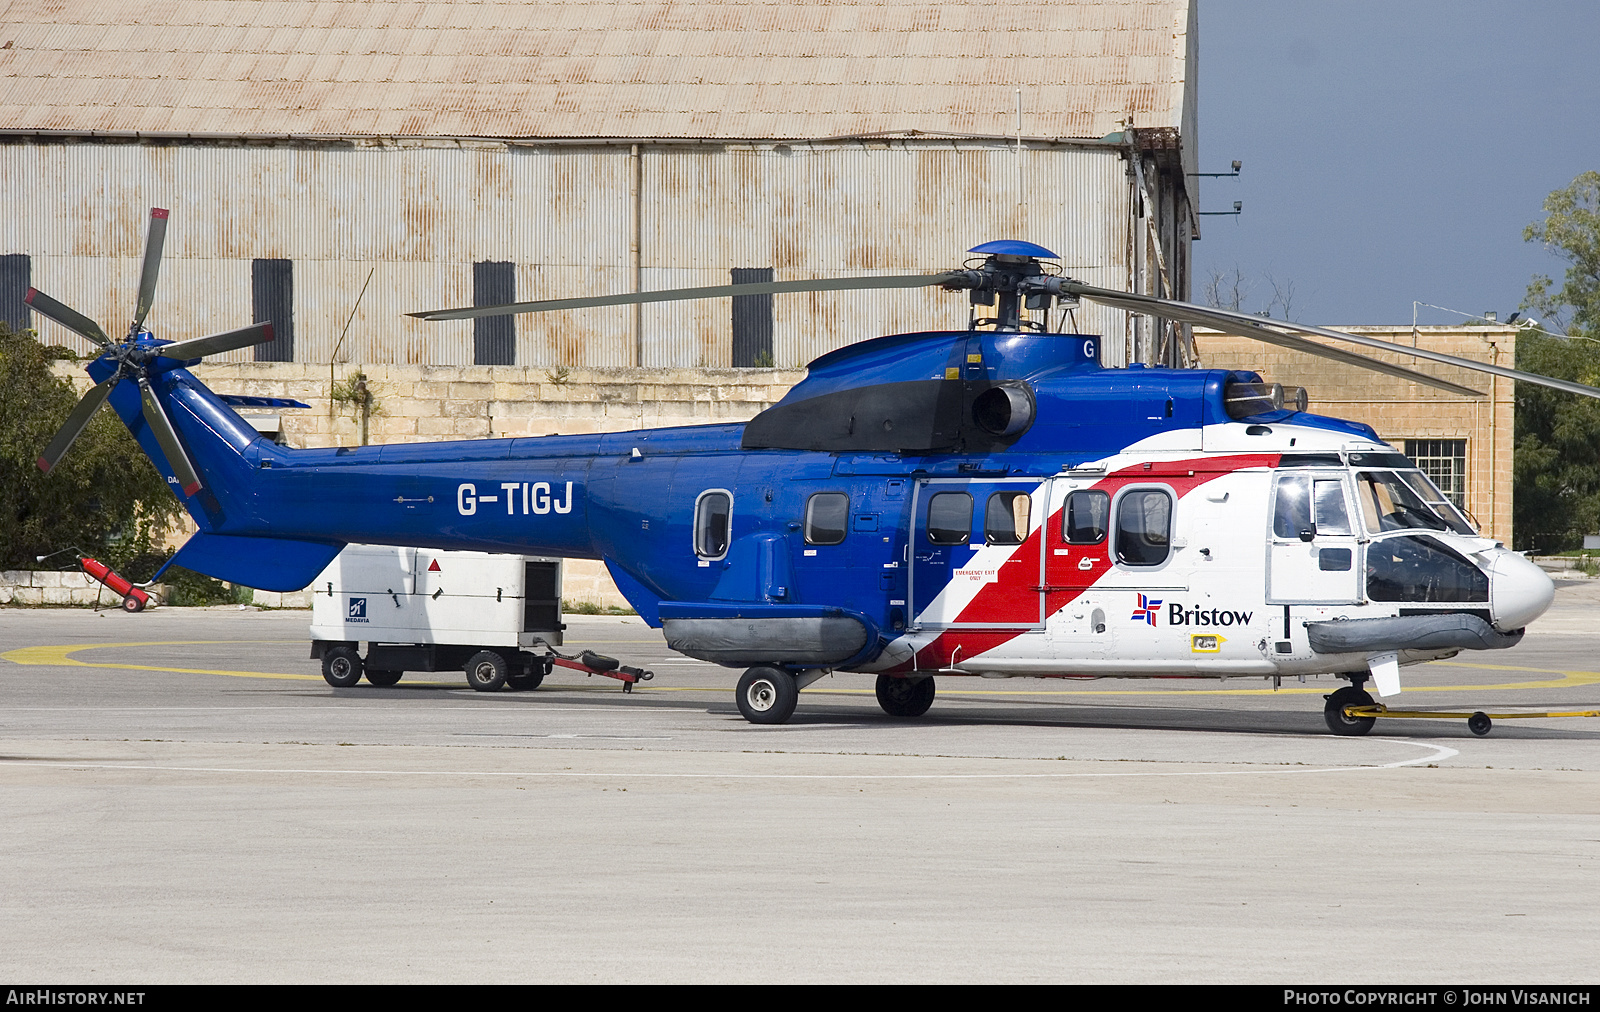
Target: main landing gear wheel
{"x": 1337, "y": 720}
{"x": 486, "y": 671}
{"x": 341, "y": 666}
{"x": 905, "y": 697}
{"x": 383, "y": 678}
{"x": 767, "y": 695}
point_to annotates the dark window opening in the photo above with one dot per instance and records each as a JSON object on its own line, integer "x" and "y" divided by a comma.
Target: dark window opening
{"x": 826, "y": 516}
{"x": 752, "y": 321}
{"x": 494, "y": 338}
{"x": 1144, "y": 528}
{"x": 1083, "y": 522}
{"x": 272, "y": 300}
{"x": 16, "y": 277}
{"x": 712, "y": 516}
{"x": 1422, "y": 570}
{"x": 1005, "y": 518}
{"x": 950, "y": 518}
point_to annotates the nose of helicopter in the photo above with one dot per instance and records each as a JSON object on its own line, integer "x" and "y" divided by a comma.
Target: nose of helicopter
{"x": 1519, "y": 591}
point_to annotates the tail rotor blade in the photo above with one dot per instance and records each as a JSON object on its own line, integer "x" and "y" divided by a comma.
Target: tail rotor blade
{"x": 177, "y": 457}
{"x": 686, "y": 294}
{"x": 200, "y": 347}
{"x": 154, "y": 240}
{"x": 65, "y": 315}
{"x": 76, "y": 423}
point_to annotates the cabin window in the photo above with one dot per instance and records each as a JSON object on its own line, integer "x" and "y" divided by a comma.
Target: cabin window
{"x": 826, "y": 516}
{"x": 1083, "y": 522}
{"x": 1005, "y": 519}
{"x": 712, "y": 514}
{"x": 1144, "y": 527}
{"x": 950, "y": 518}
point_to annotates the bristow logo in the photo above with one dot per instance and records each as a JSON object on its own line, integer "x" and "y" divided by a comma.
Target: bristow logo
{"x": 1147, "y": 610}
{"x": 1177, "y": 614}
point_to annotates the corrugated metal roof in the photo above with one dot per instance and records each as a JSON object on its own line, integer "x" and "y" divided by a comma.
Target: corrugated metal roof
{"x": 594, "y": 68}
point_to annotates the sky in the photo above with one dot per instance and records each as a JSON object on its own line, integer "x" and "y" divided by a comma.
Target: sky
{"x": 1393, "y": 151}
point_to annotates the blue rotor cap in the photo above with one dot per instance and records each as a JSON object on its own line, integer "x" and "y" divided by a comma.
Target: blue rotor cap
{"x": 1013, "y": 247}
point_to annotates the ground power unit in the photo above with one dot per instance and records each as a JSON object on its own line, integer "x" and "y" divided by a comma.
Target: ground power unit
{"x": 495, "y": 617}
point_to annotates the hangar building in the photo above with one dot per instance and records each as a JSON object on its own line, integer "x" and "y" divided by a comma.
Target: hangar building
{"x": 333, "y": 165}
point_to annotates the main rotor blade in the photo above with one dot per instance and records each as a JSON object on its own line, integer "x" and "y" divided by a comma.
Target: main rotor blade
{"x": 66, "y": 316}
{"x": 154, "y": 240}
{"x": 1266, "y": 331}
{"x": 76, "y": 423}
{"x": 200, "y": 347}
{"x": 686, "y": 294}
{"x": 1227, "y": 319}
{"x": 177, "y": 457}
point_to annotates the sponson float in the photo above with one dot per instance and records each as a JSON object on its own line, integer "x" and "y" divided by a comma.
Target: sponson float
{"x": 987, "y": 501}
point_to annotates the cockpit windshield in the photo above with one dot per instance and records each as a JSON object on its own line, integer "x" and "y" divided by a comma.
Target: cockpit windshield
{"x": 1439, "y": 502}
{"x": 1388, "y": 503}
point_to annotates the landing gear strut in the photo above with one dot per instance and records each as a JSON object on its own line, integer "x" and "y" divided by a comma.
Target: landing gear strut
{"x": 1351, "y": 695}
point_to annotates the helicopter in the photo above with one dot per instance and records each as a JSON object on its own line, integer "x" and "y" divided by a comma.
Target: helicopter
{"x": 990, "y": 501}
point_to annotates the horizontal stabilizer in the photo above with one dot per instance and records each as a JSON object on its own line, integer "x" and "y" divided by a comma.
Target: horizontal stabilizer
{"x": 262, "y": 563}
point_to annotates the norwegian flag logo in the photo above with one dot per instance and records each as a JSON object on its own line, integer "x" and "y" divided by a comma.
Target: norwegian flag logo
{"x": 1147, "y": 611}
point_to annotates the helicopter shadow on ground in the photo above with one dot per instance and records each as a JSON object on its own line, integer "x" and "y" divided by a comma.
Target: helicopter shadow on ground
{"x": 1197, "y": 719}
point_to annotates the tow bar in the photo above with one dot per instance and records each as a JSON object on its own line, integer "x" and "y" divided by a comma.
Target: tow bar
{"x": 1478, "y": 722}
{"x": 591, "y": 663}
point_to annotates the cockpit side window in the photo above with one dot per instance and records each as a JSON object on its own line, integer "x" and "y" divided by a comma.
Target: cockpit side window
{"x": 1328, "y": 506}
{"x": 1291, "y": 513}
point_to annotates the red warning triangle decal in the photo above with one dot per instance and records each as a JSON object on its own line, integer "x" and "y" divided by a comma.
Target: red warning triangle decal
{"x": 433, "y": 567}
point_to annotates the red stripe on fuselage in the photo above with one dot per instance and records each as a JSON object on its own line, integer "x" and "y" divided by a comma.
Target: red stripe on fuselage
{"x": 1013, "y": 599}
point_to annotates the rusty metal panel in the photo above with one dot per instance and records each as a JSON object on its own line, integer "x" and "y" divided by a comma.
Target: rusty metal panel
{"x": 416, "y": 217}
{"x": 592, "y": 68}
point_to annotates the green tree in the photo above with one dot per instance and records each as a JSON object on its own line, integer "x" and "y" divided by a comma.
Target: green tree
{"x": 104, "y": 497}
{"x": 1557, "y": 464}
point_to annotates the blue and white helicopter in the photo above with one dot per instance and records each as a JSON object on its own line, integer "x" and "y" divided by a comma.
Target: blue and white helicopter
{"x": 988, "y": 501}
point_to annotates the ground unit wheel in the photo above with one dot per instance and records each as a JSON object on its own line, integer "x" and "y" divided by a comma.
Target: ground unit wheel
{"x": 767, "y": 695}
{"x": 531, "y": 677}
{"x": 1334, "y": 713}
{"x": 341, "y": 666}
{"x": 905, "y": 697}
{"x": 132, "y": 604}
{"x": 1480, "y": 724}
{"x": 383, "y": 678}
{"x": 486, "y": 671}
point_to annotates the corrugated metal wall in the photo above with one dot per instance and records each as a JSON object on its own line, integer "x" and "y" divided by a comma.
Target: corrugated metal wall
{"x": 416, "y": 217}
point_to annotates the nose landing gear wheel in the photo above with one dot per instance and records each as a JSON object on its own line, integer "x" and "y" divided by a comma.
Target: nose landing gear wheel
{"x": 767, "y": 695}
{"x": 1338, "y": 721}
{"x": 905, "y": 697}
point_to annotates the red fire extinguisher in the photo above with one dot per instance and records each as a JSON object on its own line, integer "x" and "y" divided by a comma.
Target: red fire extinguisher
{"x": 133, "y": 599}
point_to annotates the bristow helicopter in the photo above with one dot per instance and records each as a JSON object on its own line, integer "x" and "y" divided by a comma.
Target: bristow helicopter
{"x": 988, "y": 501}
